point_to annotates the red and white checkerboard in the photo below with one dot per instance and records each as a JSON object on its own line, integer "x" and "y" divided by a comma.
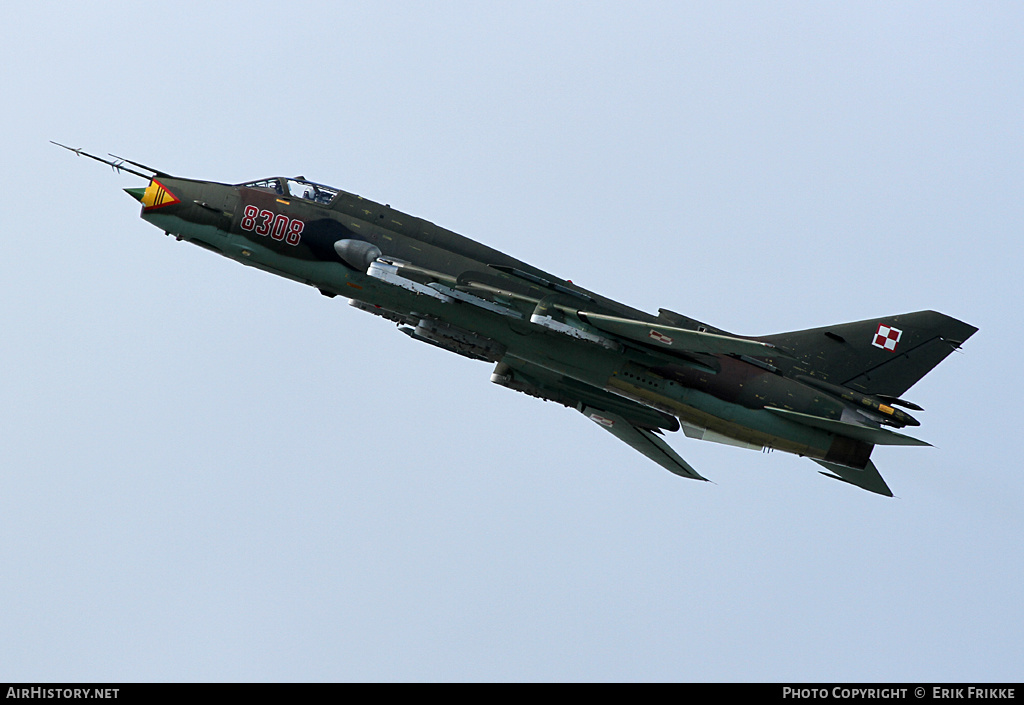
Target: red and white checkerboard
{"x": 887, "y": 338}
{"x": 660, "y": 337}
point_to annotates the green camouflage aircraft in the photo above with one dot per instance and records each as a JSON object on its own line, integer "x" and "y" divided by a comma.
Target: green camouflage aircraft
{"x": 830, "y": 394}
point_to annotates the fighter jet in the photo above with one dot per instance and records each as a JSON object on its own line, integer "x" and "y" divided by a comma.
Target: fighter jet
{"x": 830, "y": 394}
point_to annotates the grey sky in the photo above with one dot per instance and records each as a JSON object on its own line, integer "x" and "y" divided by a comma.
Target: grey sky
{"x": 214, "y": 474}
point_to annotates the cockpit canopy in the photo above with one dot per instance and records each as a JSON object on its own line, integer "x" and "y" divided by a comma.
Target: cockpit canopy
{"x": 296, "y": 188}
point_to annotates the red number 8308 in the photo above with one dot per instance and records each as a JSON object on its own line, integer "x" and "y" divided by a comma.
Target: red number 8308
{"x": 278, "y": 227}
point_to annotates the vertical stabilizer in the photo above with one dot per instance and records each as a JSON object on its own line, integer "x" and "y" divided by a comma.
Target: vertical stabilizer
{"x": 881, "y": 356}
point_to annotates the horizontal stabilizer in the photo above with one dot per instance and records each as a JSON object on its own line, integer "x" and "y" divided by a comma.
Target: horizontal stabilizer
{"x": 644, "y": 441}
{"x": 867, "y": 434}
{"x": 868, "y": 478}
{"x": 663, "y": 337}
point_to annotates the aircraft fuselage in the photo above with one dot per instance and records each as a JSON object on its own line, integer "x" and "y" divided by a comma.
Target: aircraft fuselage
{"x": 294, "y": 237}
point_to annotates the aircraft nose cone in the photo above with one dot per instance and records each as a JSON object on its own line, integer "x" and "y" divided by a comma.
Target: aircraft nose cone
{"x": 156, "y": 195}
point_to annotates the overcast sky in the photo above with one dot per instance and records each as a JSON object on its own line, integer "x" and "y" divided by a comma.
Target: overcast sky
{"x": 210, "y": 473}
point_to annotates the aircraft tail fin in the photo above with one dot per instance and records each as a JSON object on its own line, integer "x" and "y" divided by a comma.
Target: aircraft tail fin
{"x": 881, "y": 356}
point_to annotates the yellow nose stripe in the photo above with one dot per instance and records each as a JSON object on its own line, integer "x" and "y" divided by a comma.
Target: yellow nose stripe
{"x": 157, "y": 196}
